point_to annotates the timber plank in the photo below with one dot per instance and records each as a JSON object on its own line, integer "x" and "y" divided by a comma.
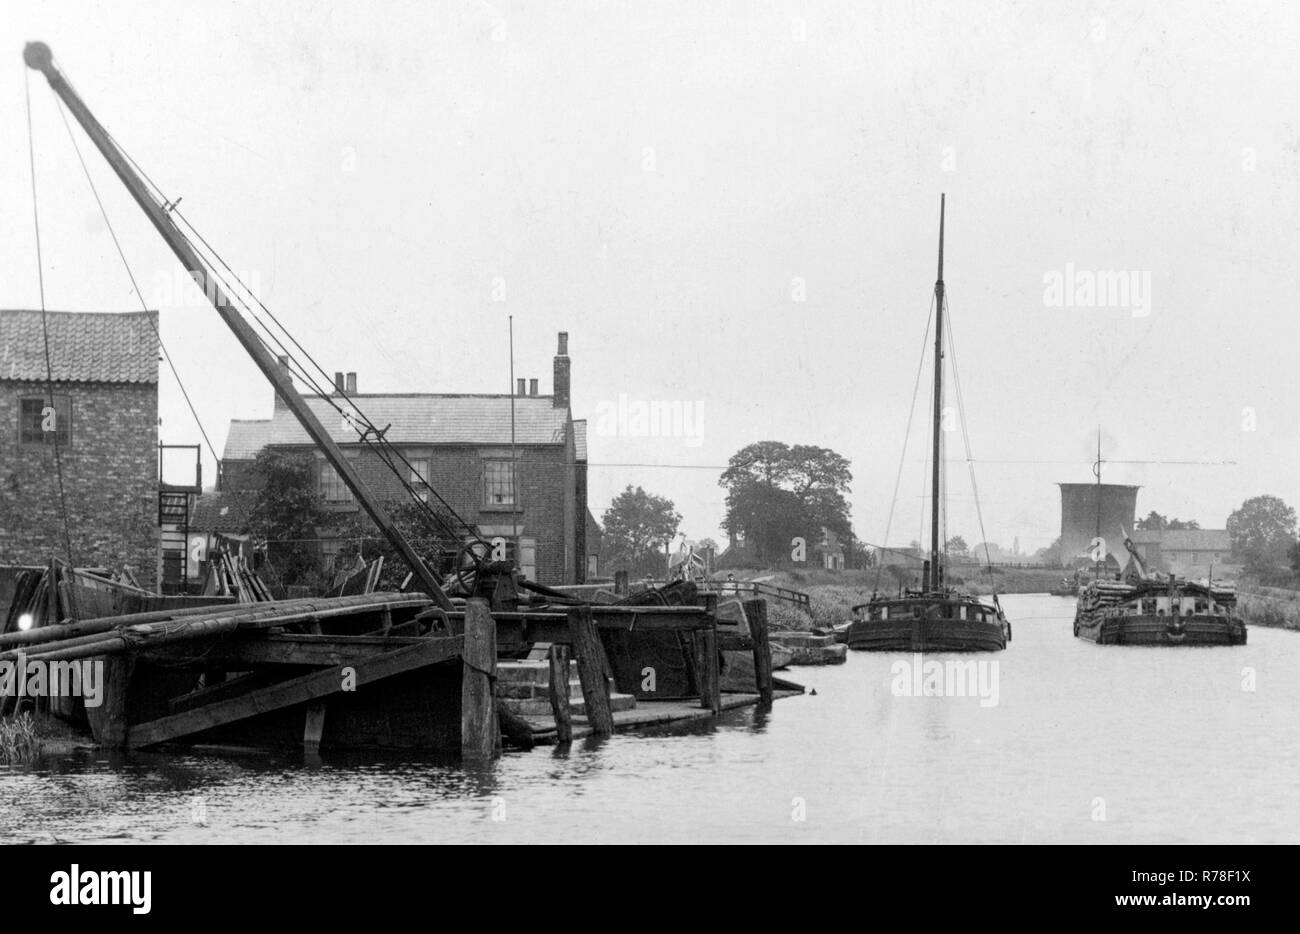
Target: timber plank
{"x": 292, "y": 691}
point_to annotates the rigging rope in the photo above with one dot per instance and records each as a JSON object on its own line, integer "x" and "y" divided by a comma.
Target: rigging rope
{"x": 907, "y": 433}
{"x": 970, "y": 460}
{"x": 45, "y": 330}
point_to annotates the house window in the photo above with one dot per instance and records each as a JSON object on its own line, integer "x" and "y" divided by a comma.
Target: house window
{"x": 498, "y": 483}
{"x": 332, "y": 487}
{"x": 419, "y": 477}
{"x": 41, "y": 423}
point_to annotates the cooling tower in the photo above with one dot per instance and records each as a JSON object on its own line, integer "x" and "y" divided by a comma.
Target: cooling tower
{"x": 1079, "y": 502}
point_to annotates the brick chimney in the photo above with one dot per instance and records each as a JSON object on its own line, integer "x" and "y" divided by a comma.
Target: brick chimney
{"x": 532, "y": 387}
{"x": 284, "y": 368}
{"x": 351, "y": 383}
{"x": 519, "y": 386}
{"x": 338, "y": 381}
{"x": 561, "y": 397}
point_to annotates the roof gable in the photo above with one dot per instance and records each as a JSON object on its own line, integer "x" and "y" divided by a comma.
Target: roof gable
{"x": 86, "y": 347}
{"x": 412, "y": 420}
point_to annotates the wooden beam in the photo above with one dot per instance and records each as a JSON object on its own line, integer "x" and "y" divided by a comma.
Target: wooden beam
{"x": 479, "y": 729}
{"x": 293, "y": 691}
{"x": 756, "y": 613}
{"x": 270, "y": 649}
{"x": 591, "y": 670}
{"x": 559, "y": 659}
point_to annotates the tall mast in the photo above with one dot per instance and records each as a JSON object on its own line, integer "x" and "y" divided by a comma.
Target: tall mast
{"x": 936, "y": 573}
{"x": 1096, "y": 571}
{"x": 37, "y": 56}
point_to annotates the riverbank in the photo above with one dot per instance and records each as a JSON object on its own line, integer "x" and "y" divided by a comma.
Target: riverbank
{"x": 1269, "y": 606}
{"x": 833, "y": 594}
{"x": 25, "y": 737}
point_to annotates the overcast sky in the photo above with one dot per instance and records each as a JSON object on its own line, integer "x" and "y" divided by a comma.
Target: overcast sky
{"x": 665, "y": 180}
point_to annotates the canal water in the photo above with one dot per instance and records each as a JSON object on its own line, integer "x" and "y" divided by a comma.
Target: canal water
{"x": 1079, "y": 743}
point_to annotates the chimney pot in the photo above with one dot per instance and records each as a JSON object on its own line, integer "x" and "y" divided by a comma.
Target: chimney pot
{"x": 564, "y": 343}
{"x": 352, "y": 383}
{"x": 338, "y": 381}
{"x": 519, "y": 386}
{"x": 532, "y": 387}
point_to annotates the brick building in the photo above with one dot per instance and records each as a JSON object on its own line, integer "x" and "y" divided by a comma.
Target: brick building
{"x": 103, "y": 423}
{"x": 1191, "y": 553}
{"x": 460, "y": 444}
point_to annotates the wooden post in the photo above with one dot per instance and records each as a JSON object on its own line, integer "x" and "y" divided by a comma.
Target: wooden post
{"x": 756, "y": 613}
{"x": 591, "y": 670}
{"x": 313, "y": 728}
{"x": 112, "y": 715}
{"x": 706, "y": 666}
{"x": 478, "y": 718}
{"x": 620, "y": 583}
{"x": 559, "y": 658}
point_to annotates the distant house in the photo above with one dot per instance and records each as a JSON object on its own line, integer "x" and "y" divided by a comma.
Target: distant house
{"x": 461, "y": 445}
{"x": 218, "y": 521}
{"x": 1184, "y": 552}
{"x": 829, "y": 551}
{"x": 102, "y": 422}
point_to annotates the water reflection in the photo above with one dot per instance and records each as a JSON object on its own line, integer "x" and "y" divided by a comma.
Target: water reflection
{"x": 1166, "y": 743}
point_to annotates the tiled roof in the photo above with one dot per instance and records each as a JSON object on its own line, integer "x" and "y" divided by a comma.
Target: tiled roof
{"x": 84, "y": 346}
{"x": 1185, "y": 539}
{"x": 221, "y": 512}
{"x": 413, "y": 420}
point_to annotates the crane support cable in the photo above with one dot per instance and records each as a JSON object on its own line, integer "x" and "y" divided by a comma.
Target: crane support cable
{"x": 134, "y": 285}
{"x": 366, "y": 428}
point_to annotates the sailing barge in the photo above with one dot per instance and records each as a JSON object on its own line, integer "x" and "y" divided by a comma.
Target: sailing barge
{"x": 1154, "y": 610}
{"x": 394, "y": 670}
{"x": 933, "y": 617}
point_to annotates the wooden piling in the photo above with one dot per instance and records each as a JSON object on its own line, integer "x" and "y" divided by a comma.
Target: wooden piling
{"x": 756, "y": 613}
{"x": 707, "y": 669}
{"x": 559, "y": 659}
{"x": 108, "y": 722}
{"x": 313, "y": 727}
{"x": 591, "y": 670}
{"x": 479, "y": 730}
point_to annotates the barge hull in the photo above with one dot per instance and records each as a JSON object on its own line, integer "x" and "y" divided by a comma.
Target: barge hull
{"x": 1155, "y": 630}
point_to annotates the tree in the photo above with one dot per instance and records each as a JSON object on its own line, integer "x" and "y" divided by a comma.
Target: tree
{"x": 427, "y": 527}
{"x": 776, "y": 492}
{"x": 1051, "y": 555}
{"x": 286, "y": 514}
{"x": 1262, "y": 530}
{"x": 956, "y": 547}
{"x": 637, "y": 527}
{"x": 1154, "y": 522}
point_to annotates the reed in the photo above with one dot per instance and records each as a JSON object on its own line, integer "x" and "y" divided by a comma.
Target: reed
{"x": 19, "y": 739}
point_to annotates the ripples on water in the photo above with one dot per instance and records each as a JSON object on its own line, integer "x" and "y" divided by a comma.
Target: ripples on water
{"x": 1166, "y": 741}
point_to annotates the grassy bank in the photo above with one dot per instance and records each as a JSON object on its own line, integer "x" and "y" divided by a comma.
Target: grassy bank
{"x": 25, "y": 737}
{"x": 1269, "y": 606}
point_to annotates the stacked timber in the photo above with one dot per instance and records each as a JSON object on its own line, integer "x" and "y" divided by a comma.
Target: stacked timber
{"x": 230, "y": 576}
